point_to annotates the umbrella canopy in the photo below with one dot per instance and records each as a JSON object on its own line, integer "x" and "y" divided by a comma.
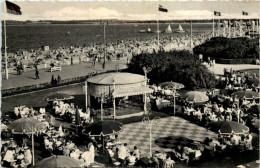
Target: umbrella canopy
{"x": 77, "y": 118}
{"x": 171, "y": 85}
{"x": 103, "y": 128}
{"x": 26, "y": 125}
{"x": 254, "y": 81}
{"x": 57, "y": 161}
{"x": 117, "y": 78}
{"x": 248, "y": 94}
{"x": 228, "y": 127}
{"x": 196, "y": 96}
{"x": 58, "y": 96}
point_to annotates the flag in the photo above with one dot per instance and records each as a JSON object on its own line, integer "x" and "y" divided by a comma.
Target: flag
{"x": 217, "y": 13}
{"x": 162, "y": 9}
{"x": 13, "y": 8}
{"x": 244, "y": 13}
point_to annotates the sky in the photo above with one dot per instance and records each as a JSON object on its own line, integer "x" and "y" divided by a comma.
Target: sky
{"x": 132, "y": 10}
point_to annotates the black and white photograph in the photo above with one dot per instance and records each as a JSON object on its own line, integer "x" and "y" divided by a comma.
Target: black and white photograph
{"x": 131, "y": 84}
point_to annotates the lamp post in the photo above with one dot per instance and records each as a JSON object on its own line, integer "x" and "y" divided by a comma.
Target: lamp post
{"x": 151, "y": 125}
{"x": 146, "y": 70}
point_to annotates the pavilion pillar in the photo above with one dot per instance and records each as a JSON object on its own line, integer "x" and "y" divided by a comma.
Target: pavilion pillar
{"x": 86, "y": 94}
{"x": 114, "y": 100}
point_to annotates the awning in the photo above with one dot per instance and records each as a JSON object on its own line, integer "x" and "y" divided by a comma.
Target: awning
{"x": 131, "y": 91}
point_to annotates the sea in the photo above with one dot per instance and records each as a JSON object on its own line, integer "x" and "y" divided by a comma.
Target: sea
{"x": 34, "y": 36}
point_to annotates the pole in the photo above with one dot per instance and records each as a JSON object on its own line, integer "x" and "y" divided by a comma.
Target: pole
{"x": 229, "y": 26}
{"x": 145, "y": 100}
{"x": 158, "y": 36}
{"x": 101, "y": 110}
{"x": 150, "y": 125}
{"x": 6, "y": 61}
{"x": 218, "y": 27}
{"x": 257, "y": 25}
{"x": 224, "y": 28}
{"x": 191, "y": 34}
{"x": 213, "y": 26}
{"x": 114, "y": 101}
{"x": 104, "y": 45}
{"x": 174, "y": 97}
{"x": 248, "y": 27}
{"x": 33, "y": 148}
{"x": 86, "y": 94}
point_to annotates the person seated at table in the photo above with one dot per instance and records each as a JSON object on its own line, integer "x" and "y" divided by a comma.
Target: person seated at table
{"x": 18, "y": 163}
{"x": 136, "y": 153}
{"x": 168, "y": 162}
{"x": 27, "y": 156}
{"x": 74, "y": 154}
{"x": 242, "y": 143}
{"x": 4, "y": 126}
{"x": 66, "y": 149}
{"x": 48, "y": 144}
{"x": 185, "y": 154}
{"x": 198, "y": 114}
{"x": 122, "y": 153}
{"x": 12, "y": 143}
{"x": 16, "y": 112}
{"x": 215, "y": 107}
{"x": 248, "y": 140}
{"x": 20, "y": 155}
{"x": 235, "y": 140}
{"x": 9, "y": 157}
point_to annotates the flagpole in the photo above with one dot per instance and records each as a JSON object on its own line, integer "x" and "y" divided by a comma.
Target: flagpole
{"x": 213, "y": 26}
{"x": 191, "y": 35}
{"x": 224, "y": 29}
{"x": 158, "y": 36}
{"x": 218, "y": 26}
{"x": 6, "y": 61}
{"x": 229, "y": 26}
{"x": 104, "y": 46}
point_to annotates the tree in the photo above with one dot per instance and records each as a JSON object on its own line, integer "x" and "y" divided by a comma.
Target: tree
{"x": 178, "y": 66}
{"x": 229, "y": 48}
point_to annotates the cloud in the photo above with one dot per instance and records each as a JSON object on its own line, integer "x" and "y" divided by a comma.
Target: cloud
{"x": 73, "y": 13}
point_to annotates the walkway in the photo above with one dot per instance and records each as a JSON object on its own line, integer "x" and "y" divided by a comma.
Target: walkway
{"x": 68, "y": 71}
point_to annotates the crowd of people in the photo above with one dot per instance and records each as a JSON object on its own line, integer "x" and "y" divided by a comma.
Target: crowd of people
{"x": 14, "y": 154}
{"x": 25, "y": 60}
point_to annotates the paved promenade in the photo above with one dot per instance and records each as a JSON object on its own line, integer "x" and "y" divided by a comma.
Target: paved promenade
{"x": 67, "y": 72}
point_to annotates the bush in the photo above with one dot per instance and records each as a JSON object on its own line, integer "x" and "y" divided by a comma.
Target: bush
{"x": 229, "y": 48}
{"x": 178, "y": 66}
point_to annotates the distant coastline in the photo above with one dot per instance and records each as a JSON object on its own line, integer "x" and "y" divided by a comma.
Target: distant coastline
{"x": 113, "y": 21}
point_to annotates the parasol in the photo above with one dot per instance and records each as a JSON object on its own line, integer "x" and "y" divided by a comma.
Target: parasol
{"x": 228, "y": 127}
{"x": 247, "y": 94}
{"x": 196, "y": 96}
{"x": 172, "y": 86}
{"x": 28, "y": 126}
{"x": 103, "y": 128}
{"x": 57, "y": 161}
{"x": 58, "y": 96}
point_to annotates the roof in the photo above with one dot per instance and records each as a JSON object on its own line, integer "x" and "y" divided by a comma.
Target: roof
{"x": 131, "y": 91}
{"x": 118, "y": 78}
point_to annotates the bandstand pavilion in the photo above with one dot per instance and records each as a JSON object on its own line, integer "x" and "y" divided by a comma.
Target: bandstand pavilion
{"x": 116, "y": 85}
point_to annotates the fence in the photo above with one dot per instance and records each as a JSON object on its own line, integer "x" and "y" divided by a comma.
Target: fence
{"x": 25, "y": 89}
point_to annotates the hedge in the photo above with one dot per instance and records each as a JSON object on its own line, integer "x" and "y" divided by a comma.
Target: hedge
{"x": 235, "y": 61}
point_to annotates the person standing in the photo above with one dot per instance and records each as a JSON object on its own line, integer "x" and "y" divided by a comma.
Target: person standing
{"x": 37, "y": 74}
{"x": 58, "y": 79}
